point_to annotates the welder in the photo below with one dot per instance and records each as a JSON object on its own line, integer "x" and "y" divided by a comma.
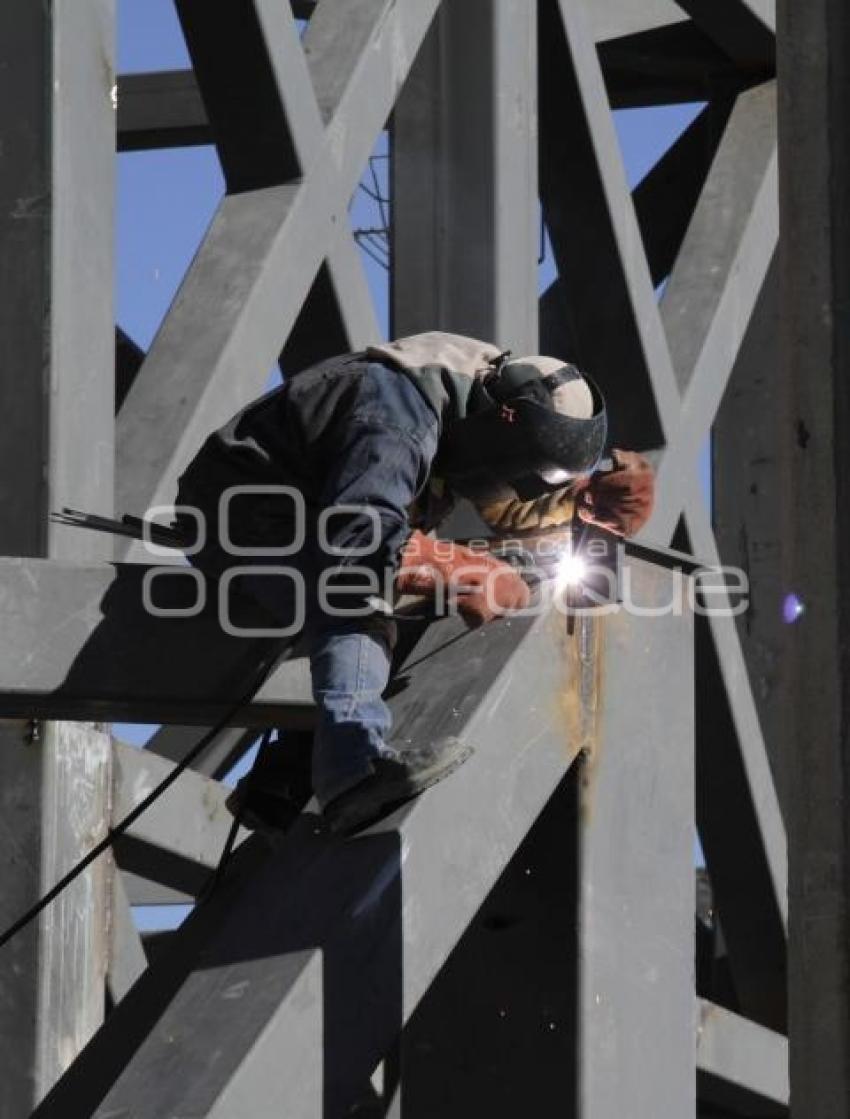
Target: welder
{"x": 347, "y": 469}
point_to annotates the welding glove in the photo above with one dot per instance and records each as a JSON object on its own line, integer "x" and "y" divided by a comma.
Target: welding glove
{"x": 482, "y": 586}
{"x": 619, "y": 500}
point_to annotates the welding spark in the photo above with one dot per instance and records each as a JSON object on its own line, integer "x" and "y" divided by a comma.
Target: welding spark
{"x": 571, "y": 572}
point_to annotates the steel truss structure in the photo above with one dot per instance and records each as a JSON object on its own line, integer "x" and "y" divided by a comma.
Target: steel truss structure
{"x": 522, "y": 936}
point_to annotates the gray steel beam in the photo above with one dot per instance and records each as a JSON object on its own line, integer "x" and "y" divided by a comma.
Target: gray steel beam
{"x": 142, "y": 892}
{"x": 56, "y": 382}
{"x": 747, "y": 503}
{"x": 248, "y": 281}
{"x": 669, "y": 65}
{"x": 78, "y": 643}
{"x": 635, "y": 306}
{"x": 465, "y": 228}
{"x": 128, "y": 361}
{"x": 715, "y": 284}
{"x": 541, "y": 1001}
{"x": 760, "y": 819}
{"x": 179, "y": 840}
{"x": 174, "y": 742}
{"x": 814, "y": 77}
{"x": 612, "y": 19}
{"x": 735, "y": 851}
{"x": 161, "y": 110}
{"x": 635, "y": 293}
{"x": 716, "y": 249}
{"x": 56, "y": 252}
{"x": 715, "y": 341}
{"x": 54, "y": 799}
{"x": 635, "y": 870}
{"x": 591, "y": 219}
{"x": 495, "y": 1033}
{"x": 264, "y": 50}
{"x": 741, "y": 1065}
{"x": 748, "y": 498}
{"x": 744, "y": 713}
{"x": 127, "y": 960}
{"x": 741, "y": 28}
{"x": 247, "y": 114}
{"x": 665, "y": 199}
{"x": 465, "y": 210}
{"x": 383, "y": 911}
{"x": 647, "y": 343}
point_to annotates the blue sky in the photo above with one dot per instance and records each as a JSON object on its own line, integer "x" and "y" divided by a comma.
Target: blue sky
{"x": 165, "y": 201}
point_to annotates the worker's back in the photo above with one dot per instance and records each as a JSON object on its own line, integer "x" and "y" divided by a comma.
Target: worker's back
{"x": 294, "y": 436}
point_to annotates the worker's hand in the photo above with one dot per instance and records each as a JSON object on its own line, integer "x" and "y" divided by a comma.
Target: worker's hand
{"x": 621, "y": 500}
{"x": 483, "y": 587}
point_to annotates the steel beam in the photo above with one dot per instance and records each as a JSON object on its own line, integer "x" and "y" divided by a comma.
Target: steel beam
{"x": 264, "y": 48}
{"x": 741, "y": 1066}
{"x": 669, "y": 65}
{"x": 465, "y": 232}
{"x": 142, "y": 892}
{"x": 242, "y": 293}
{"x": 161, "y": 110}
{"x": 814, "y": 77}
{"x": 612, "y": 19}
{"x": 740, "y": 32}
{"x": 344, "y": 898}
{"x": 174, "y": 742}
{"x": 735, "y": 851}
{"x": 495, "y": 1033}
{"x": 78, "y": 643}
{"x": 128, "y": 361}
{"x": 748, "y": 504}
{"x": 178, "y": 842}
{"x": 544, "y": 1004}
{"x": 740, "y": 191}
{"x": 127, "y": 960}
{"x": 660, "y": 371}
{"x": 465, "y": 211}
{"x": 665, "y": 199}
{"x": 635, "y": 869}
{"x": 246, "y": 112}
{"x": 278, "y": 910}
{"x": 591, "y": 219}
{"x": 56, "y": 381}
{"x": 744, "y": 714}
{"x": 715, "y": 285}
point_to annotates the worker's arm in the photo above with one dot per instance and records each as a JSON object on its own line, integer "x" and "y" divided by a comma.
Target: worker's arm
{"x": 619, "y": 500}
{"x": 382, "y": 457}
{"x": 552, "y": 510}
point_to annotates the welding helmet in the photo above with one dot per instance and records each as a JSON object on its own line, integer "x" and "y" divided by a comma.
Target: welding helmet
{"x": 533, "y": 425}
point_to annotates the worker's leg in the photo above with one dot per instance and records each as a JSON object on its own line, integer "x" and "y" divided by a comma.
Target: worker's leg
{"x": 357, "y": 775}
{"x": 350, "y": 668}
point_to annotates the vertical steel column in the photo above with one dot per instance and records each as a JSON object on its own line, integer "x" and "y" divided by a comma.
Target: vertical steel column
{"x": 636, "y": 885}
{"x": 814, "y": 84}
{"x": 57, "y": 124}
{"x": 465, "y": 211}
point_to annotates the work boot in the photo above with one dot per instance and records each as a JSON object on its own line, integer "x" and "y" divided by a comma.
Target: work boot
{"x": 394, "y": 781}
{"x": 273, "y": 795}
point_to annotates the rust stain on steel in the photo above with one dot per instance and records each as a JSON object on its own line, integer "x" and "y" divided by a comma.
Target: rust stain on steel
{"x": 579, "y": 700}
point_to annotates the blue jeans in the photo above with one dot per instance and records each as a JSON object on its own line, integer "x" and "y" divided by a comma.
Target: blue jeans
{"x": 349, "y": 667}
{"x": 350, "y": 671}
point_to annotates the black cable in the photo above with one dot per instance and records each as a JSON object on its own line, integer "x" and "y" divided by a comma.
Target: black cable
{"x": 123, "y": 825}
